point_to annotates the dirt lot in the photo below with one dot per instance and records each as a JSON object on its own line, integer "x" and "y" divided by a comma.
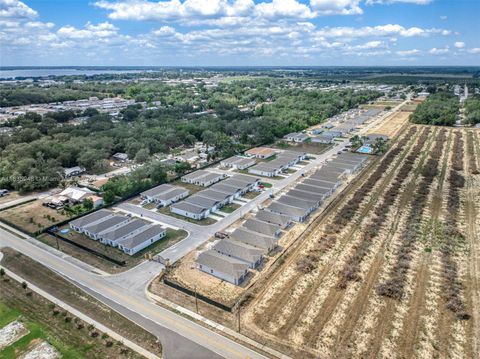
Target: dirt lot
{"x": 392, "y": 125}
{"x": 67, "y": 292}
{"x": 32, "y": 216}
{"x": 12, "y": 196}
{"x": 170, "y": 239}
{"x": 389, "y": 270}
{"x": 308, "y": 147}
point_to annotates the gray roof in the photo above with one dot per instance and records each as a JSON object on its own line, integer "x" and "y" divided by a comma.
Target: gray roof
{"x": 124, "y": 230}
{"x": 254, "y": 239}
{"x": 195, "y": 175}
{"x": 105, "y": 225}
{"x": 334, "y": 169}
{"x": 270, "y": 217}
{"x": 199, "y": 200}
{"x": 225, "y": 188}
{"x": 261, "y": 227}
{"x": 244, "y": 178}
{"x": 287, "y": 210}
{"x": 237, "y": 160}
{"x": 306, "y": 195}
{"x": 235, "y": 183}
{"x": 136, "y": 239}
{"x": 90, "y": 218}
{"x": 188, "y": 207}
{"x": 239, "y": 250}
{"x": 265, "y": 167}
{"x": 297, "y": 202}
{"x": 213, "y": 194}
{"x": 155, "y": 191}
{"x": 344, "y": 165}
{"x": 209, "y": 177}
{"x": 222, "y": 263}
{"x": 319, "y": 183}
{"x": 325, "y": 174}
{"x": 312, "y": 189}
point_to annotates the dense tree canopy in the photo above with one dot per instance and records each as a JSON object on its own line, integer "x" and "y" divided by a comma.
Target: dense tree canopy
{"x": 472, "y": 110}
{"x": 440, "y": 108}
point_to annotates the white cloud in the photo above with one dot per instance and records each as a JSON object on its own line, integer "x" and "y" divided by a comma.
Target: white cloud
{"x": 416, "y": 2}
{"x": 283, "y": 8}
{"x": 336, "y": 7}
{"x": 412, "y": 52}
{"x": 102, "y": 30}
{"x": 382, "y": 31}
{"x": 459, "y": 44}
{"x": 441, "y": 51}
{"x": 443, "y": 17}
{"x": 475, "y": 50}
{"x": 14, "y": 9}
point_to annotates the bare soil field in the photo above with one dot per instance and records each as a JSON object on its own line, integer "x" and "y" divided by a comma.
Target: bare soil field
{"x": 32, "y": 216}
{"x": 399, "y": 277}
{"x": 392, "y": 125}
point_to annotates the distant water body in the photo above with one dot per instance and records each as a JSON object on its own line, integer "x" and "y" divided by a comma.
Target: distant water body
{"x": 44, "y": 72}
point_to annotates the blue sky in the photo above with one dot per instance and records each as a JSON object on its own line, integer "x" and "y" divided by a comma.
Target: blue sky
{"x": 239, "y": 32}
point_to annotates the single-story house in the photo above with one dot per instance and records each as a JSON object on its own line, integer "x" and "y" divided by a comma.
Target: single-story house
{"x": 79, "y": 224}
{"x": 237, "y": 162}
{"x": 138, "y": 241}
{"x": 296, "y": 137}
{"x": 165, "y": 194}
{"x": 198, "y": 200}
{"x": 112, "y": 237}
{"x": 190, "y": 210}
{"x": 265, "y": 228}
{"x": 203, "y": 178}
{"x": 73, "y": 171}
{"x": 280, "y": 220}
{"x": 222, "y": 198}
{"x": 308, "y": 204}
{"x": 295, "y": 213}
{"x": 96, "y": 230}
{"x": 323, "y": 138}
{"x": 261, "y": 152}
{"x": 265, "y": 169}
{"x": 314, "y": 190}
{"x": 221, "y": 266}
{"x": 238, "y": 250}
{"x": 266, "y": 243}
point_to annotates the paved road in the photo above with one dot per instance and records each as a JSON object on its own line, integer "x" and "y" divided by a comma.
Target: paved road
{"x": 181, "y": 337}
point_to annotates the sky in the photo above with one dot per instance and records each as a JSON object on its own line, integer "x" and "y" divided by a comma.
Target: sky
{"x": 239, "y": 32}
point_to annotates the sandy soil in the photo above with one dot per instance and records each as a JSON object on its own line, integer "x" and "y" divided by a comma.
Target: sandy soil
{"x": 391, "y": 126}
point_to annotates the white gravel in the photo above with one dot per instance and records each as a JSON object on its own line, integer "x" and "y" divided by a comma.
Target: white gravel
{"x": 42, "y": 350}
{"x": 10, "y": 333}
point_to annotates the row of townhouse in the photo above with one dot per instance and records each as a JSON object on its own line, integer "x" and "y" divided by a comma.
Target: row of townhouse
{"x": 129, "y": 235}
{"x": 283, "y": 162}
{"x": 307, "y": 196}
{"x": 203, "y": 203}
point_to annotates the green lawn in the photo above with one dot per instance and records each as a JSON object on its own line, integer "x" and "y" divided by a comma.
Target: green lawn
{"x": 230, "y": 208}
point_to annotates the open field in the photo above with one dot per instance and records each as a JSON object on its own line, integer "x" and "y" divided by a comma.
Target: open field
{"x": 392, "y": 125}
{"x": 172, "y": 237}
{"x": 71, "y": 337}
{"x": 32, "y": 216}
{"x": 62, "y": 289}
{"x": 308, "y": 147}
{"x": 395, "y": 277}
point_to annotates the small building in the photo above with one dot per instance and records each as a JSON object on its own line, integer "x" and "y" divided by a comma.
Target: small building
{"x": 73, "y": 171}
{"x": 94, "y": 231}
{"x": 221, "y": 266}
{"x": 120, "y": 157}
{"x": 265, "y": 228}
{"x": 307, "y": 204}
{"x": 265, "y": 170}
{"x": 203, "y": 178}
{"x": 241, "y": 251}
{"x": 165, "y": 194}
{"x": 190, "y": 210}
{"x": 280, "y": 220}
{"x": 265, "y": 243}
{"x": 79, "y": 224}
{"x": 324, "y": 138}
{"x": 112, "y": 237}
{"x": 296, "y": 137}
{"x": 238, "y": 163}
{"x": 138, "y": 241}
{"x": 295, "y": 213}
{"x": 261, "y": 152}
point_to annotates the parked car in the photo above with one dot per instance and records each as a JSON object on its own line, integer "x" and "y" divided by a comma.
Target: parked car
{"x": 3, "y": 192}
